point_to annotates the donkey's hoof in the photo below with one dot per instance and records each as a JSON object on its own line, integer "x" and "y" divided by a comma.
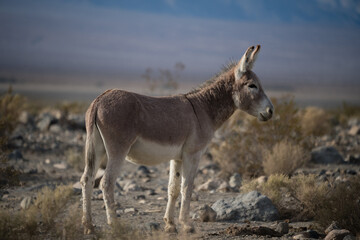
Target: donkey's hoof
{"x": 170, "y": 228}
{"x": 188, "y": 229}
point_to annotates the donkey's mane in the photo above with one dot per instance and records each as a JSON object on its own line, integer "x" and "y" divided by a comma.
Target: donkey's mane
{"x": 224, "y": 69}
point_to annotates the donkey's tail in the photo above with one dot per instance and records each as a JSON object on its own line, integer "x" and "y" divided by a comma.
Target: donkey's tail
{"x": 94, "y": 145}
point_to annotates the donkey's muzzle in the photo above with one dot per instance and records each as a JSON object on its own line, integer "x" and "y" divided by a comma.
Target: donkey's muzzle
{"x": 264, "y": 116}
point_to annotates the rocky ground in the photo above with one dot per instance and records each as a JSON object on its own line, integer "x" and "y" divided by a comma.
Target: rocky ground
{"x": 39, "y": 150}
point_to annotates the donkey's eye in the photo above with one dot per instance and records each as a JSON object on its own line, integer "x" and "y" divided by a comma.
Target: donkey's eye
{"x": 253, "y": 86}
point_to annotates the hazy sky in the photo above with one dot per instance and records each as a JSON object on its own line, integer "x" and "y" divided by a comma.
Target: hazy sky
{"x": 302, "y": 41}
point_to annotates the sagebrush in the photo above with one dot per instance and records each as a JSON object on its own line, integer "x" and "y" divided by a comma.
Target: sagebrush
{"x": 241, "y": 142}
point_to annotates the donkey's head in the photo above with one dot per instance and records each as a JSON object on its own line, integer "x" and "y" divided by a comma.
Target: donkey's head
{"x": 248, "y": 94}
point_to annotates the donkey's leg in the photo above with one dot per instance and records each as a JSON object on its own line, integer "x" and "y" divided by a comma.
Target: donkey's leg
{"x": 173, "y": 193}
{"x": 94, "y": 149}
{"x": 189, "y": 168}
{"x": 107, "y": 184}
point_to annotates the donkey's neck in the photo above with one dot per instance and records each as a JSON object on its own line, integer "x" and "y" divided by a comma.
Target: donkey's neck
{"x": 216, "y": 99}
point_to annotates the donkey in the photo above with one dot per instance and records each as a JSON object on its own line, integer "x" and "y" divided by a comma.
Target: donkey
{"x": 150, "y": 130}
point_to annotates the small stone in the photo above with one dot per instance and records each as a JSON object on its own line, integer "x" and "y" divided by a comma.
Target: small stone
{"x": 209, "y": 185}
{"x": 139, "y": 197}
{"x": 55, "y": 128}
{"x": 142, "y": 170}
{"x": 306, "y": 235}
{"x": 61, "y": 166}
{"x": 150, "y": 192}
{"x": 354, "y": 130}
{"x": 129, "y": 210}
{"x": 235, "y": 180}
{"x": 207, "y": 214}
{"x": 47, "y": 161}
{"x": 224, "y": 187}
{"x": 153, "y": 226}
{"x": 77, "y": 188}
{"x": 26, "y": 202}
{"x": 261, "y": 180}
{"x": 45, "y": 122}
{"x": 15, "y": 155}
{"x": 282, "y": 227}
{"x": 337, "y": 234}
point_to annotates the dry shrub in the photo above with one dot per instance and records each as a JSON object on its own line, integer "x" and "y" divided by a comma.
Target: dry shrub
{"x": 346, "y": 111}
{"x": 50, "y": 202}
{"x": 75, "y": 159}
{"x": 342, "y": 204}
{"x": 284, "y": 158}
{"x": 25, "y": 224}
{"x": 71, "y": 227}
{"x": 239, "y": 144}
{"x": 120, "y": 230}
{"x": 315, "y": 121}
{"x": 10, "y": 108}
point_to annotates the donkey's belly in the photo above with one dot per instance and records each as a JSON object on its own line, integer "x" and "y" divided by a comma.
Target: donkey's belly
{"x": 146, "y": 152}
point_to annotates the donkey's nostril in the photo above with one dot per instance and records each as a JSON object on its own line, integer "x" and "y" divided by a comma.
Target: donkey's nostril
{"x": 269, "y": 110}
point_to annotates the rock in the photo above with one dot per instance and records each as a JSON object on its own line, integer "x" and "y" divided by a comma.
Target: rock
{"x": 61, "y": 166}
{"x": 252, "y": 206}
{"x": 282, "y": 227}
{"x": 354, "y": 130}
{"x": 337, "y": 234}
{"x": 15, "y": 155}
{"x": 150, "y": 192}
{"x": 209, "y": 185}
{"x": 207, "y": 214}
{"x": 99, "y": 174}
{"x": 26, "y": 202}
{"x": 333, "y": 226}
{"x": 235, "y": 180}
{"x": 326, "y": 155}
{"x": 349, "y": 237}
{"x": 129, "y": 210}
{"x": 153, "y": 226}
{"x": 25, "y": 118}
{"x": 224, "y": 187}
{"x": 131, "y": 186}
{"x": 77, "y": 188}
{"x": 76, "y": 121}
{"x": 353, "y": 159}
{"x": 55, "y": 128}
{"x": 306, "y": 235}
{"x": 248, "y": 230}
{"x": 45, "y": 120}
{"x": 143, "y": 171}
{"x": 353, "y": 122}
{"x": 261, "y": 180}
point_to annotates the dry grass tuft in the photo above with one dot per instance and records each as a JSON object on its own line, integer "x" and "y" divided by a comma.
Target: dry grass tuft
{"x": 315, "y": 121}
{"x": 284, "y": 158}
{"x": 50, "y": 202}
{"x": 71, "y": 226}
{"x": 342, "y": 204}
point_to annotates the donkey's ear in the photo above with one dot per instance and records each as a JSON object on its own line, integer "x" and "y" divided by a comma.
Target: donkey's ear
{"x": 247, "y": 61}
